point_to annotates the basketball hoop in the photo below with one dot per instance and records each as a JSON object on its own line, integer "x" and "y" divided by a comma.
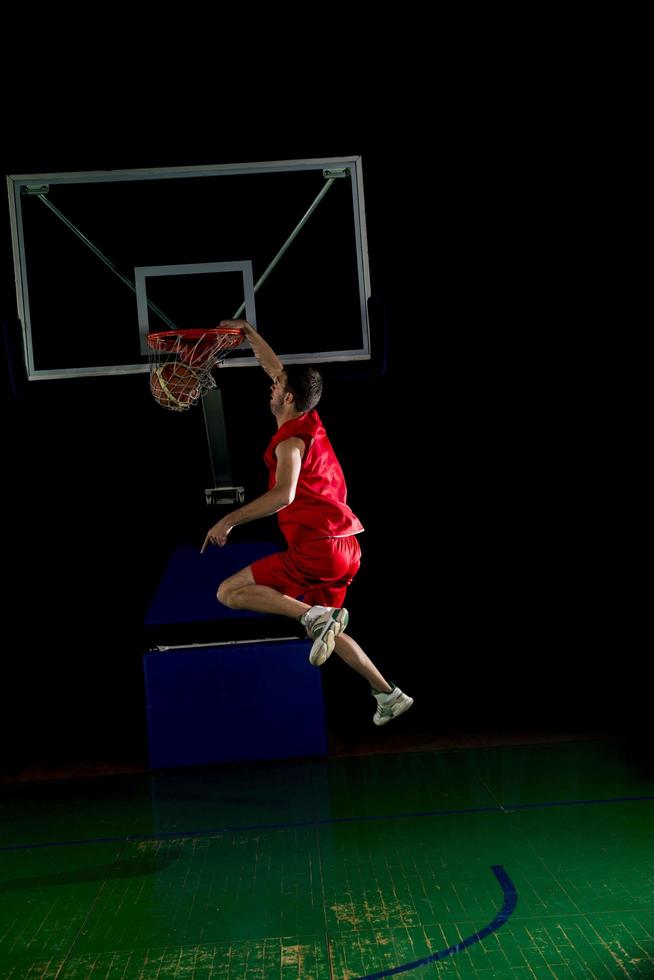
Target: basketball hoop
{"x": 181, "y": 363}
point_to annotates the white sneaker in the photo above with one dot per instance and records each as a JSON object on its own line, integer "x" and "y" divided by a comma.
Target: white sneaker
{"x": 391, "y": 705}
{"x": 323, "y": 631}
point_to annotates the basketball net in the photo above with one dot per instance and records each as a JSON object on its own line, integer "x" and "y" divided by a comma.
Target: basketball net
{"x": 181, "y": 363}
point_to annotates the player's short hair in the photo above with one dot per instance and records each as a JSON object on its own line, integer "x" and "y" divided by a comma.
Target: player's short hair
{"x": 305, "y": 384}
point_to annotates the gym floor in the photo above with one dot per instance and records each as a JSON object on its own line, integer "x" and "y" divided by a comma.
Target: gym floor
{"x": 514, "y": 860}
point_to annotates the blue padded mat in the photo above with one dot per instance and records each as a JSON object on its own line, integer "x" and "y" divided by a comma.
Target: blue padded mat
{"x": 234, "y": 703}
{"x": 187, "y": 591}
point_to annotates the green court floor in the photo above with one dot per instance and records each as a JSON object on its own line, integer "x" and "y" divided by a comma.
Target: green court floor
{"x": 516, "y": 861}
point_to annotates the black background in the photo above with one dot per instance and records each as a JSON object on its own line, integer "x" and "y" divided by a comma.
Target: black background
{"x": 480, "y": 446}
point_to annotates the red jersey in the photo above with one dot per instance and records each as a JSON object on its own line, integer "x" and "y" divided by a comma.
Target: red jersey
{"x": 319, "y": 508}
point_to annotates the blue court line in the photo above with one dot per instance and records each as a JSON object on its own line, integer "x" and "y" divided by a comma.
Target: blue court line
{"x": 508, "y": 908}
{"x": 241, "y": 828}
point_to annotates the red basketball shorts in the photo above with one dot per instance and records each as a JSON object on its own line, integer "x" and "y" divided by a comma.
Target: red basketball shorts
{"x": 318, "y": 569}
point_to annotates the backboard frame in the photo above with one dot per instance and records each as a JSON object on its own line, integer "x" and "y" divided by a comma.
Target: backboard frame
{"x": 16, "y": 184}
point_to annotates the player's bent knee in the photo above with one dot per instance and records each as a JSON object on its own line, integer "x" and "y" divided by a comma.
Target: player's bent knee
{"x": 226, "y": 593}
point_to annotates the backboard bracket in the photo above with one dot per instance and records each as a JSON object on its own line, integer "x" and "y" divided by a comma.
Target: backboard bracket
{"x": 224, "y": 495}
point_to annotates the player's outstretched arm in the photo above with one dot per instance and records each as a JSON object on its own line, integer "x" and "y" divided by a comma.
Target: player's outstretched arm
{"x": 263, "y": 352}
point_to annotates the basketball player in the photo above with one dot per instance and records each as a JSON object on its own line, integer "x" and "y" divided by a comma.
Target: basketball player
{"x": 307, "y": 490}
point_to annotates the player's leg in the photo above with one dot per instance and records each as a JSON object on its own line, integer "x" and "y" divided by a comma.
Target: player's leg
{"x": 270, "y": 584}
{"x": 327, "y": 607}
{"x": 327, "y": 619}
{"x": 391, "y": 701}
{"x": 351, "y": 653}
{"x": 331, "y": 563}
{"x": 242, "y": 591}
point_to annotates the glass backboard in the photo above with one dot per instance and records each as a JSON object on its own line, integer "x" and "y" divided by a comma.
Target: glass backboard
{"x": 102, "y": 258}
